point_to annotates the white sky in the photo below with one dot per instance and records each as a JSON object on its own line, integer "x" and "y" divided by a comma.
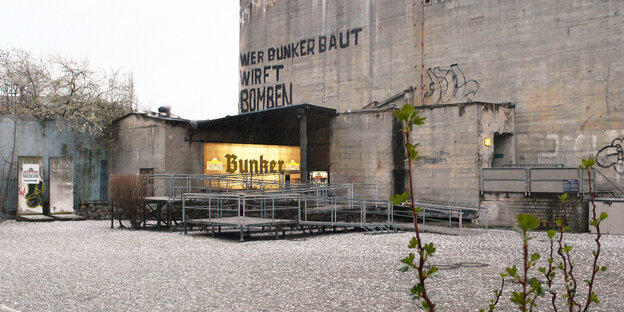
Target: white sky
{"x": 182, "y": 53}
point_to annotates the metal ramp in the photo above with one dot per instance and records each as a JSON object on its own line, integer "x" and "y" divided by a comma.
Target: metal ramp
{"x": 381, "y": 228}
{"x": 240, "y": 212}
{"x": 255, "y": 203}
{"x": 439, "y": 217}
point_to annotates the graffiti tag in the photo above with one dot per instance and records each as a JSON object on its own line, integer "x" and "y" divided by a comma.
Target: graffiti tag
{"x": 448, "y": 84}
{"x": 612, "y": 156}
{"x": 33, "y": 197}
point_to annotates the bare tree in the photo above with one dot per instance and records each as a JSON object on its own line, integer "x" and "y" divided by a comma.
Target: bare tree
{"x": 23, "y": 82}
{"x": 66, "y": 90}
{"x": 79, "y": 98}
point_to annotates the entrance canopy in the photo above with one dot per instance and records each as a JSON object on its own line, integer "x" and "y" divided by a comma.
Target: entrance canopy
{"x": 303, "y": 125}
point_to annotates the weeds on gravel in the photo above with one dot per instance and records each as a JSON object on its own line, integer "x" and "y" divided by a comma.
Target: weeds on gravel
{"x": 408, "y": 116}
{"x": 532, "y": 287}
{"x": 525, "y": 300}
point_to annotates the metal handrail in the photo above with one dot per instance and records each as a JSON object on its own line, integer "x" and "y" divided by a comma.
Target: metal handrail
{"x": 528, "y": 179}
{"x": 611, "y": 183}
{"x": 174, "y": 185}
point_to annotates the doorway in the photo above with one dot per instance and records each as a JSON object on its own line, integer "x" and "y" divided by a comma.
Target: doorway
{"x": 504, "y": 152}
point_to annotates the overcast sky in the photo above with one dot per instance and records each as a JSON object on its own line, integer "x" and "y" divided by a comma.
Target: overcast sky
{"x": 182, "y": 53}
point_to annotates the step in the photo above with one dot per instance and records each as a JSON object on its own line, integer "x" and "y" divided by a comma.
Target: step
{"x": 34, "y": 218}
{"x": 67, "y": 217}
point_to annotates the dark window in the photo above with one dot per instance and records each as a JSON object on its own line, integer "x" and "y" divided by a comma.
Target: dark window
{"x": 150, "y": 180}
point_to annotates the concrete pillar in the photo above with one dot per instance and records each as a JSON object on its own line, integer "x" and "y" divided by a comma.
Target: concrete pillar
{"x": 303, "y": 145}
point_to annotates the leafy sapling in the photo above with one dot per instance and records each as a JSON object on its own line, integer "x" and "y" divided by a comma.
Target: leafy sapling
{"x": 531, "y": 287}
{"x": 549, "y": 272}
{"x": 409, "y": 117}
{"x": 587, "y": 164}
{"x": 566, "y": 266}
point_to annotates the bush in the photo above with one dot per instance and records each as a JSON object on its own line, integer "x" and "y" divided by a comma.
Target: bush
{"x": 129, "y": 196}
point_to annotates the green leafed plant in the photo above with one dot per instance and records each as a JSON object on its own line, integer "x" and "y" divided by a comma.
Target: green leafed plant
{"x": 409, "y": 117}
{"x": 532, "y": 288}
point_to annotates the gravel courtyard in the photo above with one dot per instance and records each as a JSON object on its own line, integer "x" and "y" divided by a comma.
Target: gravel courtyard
{"x": 86, "y": 266}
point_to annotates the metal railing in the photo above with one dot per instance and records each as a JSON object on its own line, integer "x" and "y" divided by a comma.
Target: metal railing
{"x": 341, "y": 211}
{"x": 213, "y": 207}
{"x": 536, "y": 180}
{"x": 438, "y": 215}
{"x": 172, "y": 186}
{"x": 206, "y": 198}
{"x": 532, "y": 165}
{"x": 607, "y": 186}
{"x": 241, "y": 211}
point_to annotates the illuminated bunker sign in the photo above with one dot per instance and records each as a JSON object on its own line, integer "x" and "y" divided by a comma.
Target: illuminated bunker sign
{"x": 224, "y": 158}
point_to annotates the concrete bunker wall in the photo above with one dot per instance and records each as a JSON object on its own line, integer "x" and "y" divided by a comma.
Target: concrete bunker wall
{"x": 569, "y": 104}
{"x": 453, "y": 150}
{"x": 46, "y": 139}
{"x": 149, "y": 143}
{"x": 361, "y": 149}
{"x": 181, "y": 156}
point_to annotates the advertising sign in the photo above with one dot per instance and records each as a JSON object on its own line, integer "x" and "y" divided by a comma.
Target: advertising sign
{"x": 223, "y": 158}
{"x": 30, "y": 173}
{"x": 31, "y": 187}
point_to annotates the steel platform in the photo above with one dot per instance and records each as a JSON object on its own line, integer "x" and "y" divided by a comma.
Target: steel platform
{"x": 241, "y": 223}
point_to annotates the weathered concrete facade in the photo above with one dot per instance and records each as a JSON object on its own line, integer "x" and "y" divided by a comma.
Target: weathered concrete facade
{"x": 46, "y": 140}
{"x": 361, "y": 149}
{"x": 560, "y": 63}
{"x": 367, "y": 147}
{"x": 453, "y": 150}
{"x": 153, "y": 145}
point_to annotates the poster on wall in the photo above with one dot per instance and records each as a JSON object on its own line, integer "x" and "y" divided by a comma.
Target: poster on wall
{"x": 30, "y": 173}
{"x": 31, "y": 186}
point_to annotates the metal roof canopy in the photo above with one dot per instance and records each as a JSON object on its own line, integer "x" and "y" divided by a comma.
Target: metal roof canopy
{"x": 303, "y": 125}
{"x": 276, "y": 126}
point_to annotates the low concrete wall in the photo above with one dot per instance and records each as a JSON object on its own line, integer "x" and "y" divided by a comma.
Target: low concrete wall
{"x": 503, "y": 209}
{"x": 94, "y": 210}
{"x": 47, "y": 140}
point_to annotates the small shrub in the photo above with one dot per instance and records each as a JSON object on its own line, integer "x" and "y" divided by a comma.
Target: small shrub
{"x": 532, "y": 288}
{"x": 129, "y": 196}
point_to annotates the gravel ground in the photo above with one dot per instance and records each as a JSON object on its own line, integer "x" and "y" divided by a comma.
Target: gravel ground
{"x": 86, "y": 266}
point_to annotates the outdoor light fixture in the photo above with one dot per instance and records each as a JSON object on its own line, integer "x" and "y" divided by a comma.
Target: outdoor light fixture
{"x": 487, "y": 142}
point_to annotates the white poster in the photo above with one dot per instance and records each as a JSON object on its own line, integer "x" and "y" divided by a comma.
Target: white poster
{"x": 31, "y": 188}
{"x": 30, "y": 174}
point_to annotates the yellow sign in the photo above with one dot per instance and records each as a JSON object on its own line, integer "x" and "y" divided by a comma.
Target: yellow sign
{"x": 292, "y": 166}
{"x": 249, "y": 158}
{"x": 214, "y": 165}
{"x": 487, "y": 142}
